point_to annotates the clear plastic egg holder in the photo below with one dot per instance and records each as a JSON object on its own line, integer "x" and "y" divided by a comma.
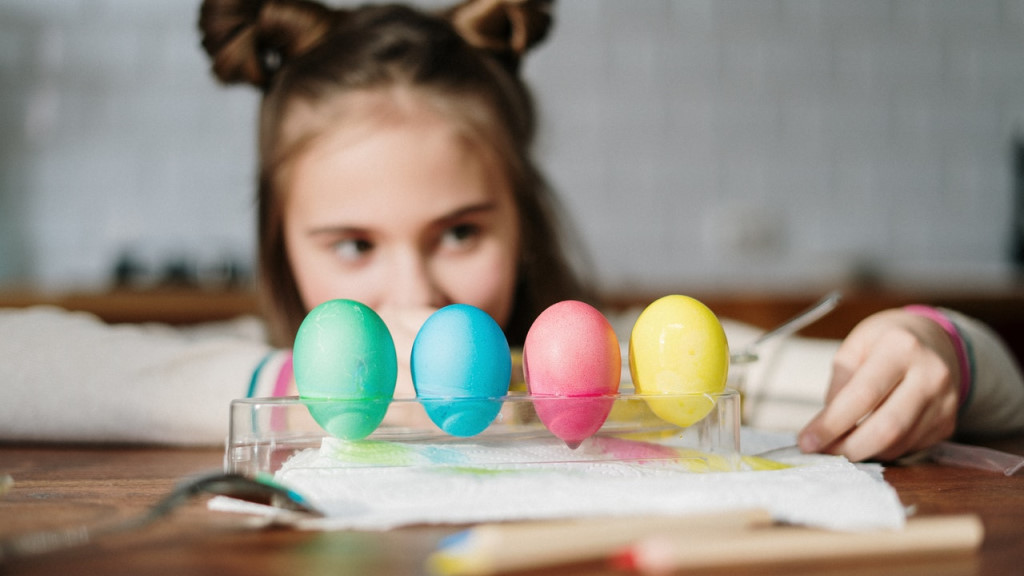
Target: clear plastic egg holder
{"x": 266, "y": 432}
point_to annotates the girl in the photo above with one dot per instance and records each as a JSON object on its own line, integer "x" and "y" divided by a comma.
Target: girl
{"x": 395, "y": 169}
{"x": 395, "y": 163}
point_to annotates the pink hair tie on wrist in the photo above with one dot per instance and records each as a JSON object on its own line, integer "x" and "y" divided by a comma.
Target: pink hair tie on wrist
{"x": 958, "y": 343}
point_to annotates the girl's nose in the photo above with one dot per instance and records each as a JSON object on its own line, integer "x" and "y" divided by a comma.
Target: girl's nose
{"x": 413, "y": 284}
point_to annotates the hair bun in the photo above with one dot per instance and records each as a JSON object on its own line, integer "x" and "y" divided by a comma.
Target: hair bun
{"x": 506, "y": 28}
{"x": 248, "y": 40}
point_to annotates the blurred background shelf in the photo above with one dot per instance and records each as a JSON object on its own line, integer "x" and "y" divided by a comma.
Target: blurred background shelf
{"x": 164, "y": 305}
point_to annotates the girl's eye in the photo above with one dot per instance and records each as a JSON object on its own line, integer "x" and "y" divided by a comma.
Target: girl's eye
{"x": 352, "y": 250}
{"x": 461, "y": 235}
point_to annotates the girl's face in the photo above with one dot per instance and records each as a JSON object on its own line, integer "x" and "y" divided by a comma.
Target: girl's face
{"x": 401, "y": 213}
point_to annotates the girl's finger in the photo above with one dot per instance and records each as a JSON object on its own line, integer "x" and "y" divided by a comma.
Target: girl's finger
{"x": 900, "y": 419}
{"x": 866, "y": 389}
{"x": 920, "y": 411}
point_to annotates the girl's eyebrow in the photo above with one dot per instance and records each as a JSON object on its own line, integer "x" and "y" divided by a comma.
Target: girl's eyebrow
{"x": 337, "y": 231}
{"x": 443, "y": 220}
{"x": 470, "y": 210}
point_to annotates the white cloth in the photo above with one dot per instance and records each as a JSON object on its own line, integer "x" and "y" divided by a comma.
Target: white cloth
{"x": 460, "y": 484}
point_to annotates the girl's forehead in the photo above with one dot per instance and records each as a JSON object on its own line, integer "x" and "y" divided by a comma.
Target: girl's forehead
{"x": 418, "y": 163}
{"x": 399, "y": 146}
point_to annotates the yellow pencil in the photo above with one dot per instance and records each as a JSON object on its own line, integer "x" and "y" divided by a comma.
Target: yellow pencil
{"x": 493, "y": 548}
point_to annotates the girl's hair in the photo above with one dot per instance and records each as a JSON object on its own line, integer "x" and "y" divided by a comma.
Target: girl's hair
{"x": 463, "y": 60}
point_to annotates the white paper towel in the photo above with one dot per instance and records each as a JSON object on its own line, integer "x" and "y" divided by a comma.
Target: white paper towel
{"x": 393, "y": 486}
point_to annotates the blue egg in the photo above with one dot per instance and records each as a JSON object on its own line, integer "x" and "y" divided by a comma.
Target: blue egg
{"x": 461, "y": 366}
{"x": 345, "y": 367}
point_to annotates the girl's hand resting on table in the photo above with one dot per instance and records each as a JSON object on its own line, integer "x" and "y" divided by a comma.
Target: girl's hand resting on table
{"x": 894, "y": 390}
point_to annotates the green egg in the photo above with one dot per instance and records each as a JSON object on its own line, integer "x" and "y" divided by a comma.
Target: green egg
{"x": 345, "y": 367}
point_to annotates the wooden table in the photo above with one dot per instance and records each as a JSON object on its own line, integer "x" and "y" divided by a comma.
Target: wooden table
{"x": 58, "y": 486}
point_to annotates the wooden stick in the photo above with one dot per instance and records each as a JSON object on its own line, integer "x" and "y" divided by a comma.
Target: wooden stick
{"x": 493, "y": 548}
{"x": 929, "y": 535}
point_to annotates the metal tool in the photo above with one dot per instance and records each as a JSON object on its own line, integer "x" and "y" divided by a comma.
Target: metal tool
{"x": 259, "y": 490}
{"x": 791, "y": 326}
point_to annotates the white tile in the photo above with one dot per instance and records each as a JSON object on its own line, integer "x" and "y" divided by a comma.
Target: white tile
{"x": 860, "y": 15}
{"x": 1011, "y": 16}
{"x": 845, "y": 118}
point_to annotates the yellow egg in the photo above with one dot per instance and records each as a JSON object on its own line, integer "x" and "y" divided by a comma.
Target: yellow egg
{"x": 678, "y": 348}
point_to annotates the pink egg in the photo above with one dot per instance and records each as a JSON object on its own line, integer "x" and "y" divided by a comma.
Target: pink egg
{"x": 572, "y": 365}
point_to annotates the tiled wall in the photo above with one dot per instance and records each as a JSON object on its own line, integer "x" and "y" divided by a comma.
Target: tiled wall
{"x": 122, "y": 141}
{"x": 710, "y": 143}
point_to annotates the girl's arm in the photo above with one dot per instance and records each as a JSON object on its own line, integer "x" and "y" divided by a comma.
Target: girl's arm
{"x": 70, "y": 377}
{"x": 995, "y": 401}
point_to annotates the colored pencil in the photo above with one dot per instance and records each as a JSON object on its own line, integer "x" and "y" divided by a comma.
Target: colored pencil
{"x": 502, "y": 547}
{"x": 929, "y": 536}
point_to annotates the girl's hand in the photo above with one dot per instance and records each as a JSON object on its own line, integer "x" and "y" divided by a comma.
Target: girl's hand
{"x": 894, "y": 390}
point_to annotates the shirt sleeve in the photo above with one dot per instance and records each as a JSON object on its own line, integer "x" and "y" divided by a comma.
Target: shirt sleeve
{"x": 67, "y": 376}
{"x": 995, "y": 405}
